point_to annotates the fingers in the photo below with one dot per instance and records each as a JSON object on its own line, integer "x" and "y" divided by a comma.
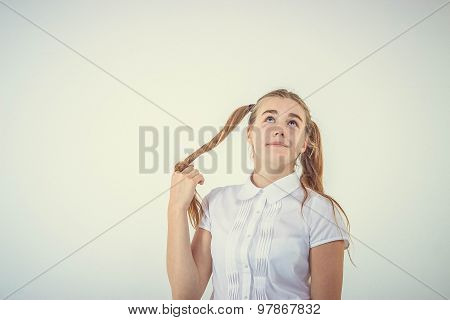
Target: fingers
{"x": 199, "y": 179}
{"x": 196, "y": 176}
{"x": 193, "y": 174}
{"x": 188, "y": 169}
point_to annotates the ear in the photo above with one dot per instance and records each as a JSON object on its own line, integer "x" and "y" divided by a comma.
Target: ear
{"x": 305, "y": 145}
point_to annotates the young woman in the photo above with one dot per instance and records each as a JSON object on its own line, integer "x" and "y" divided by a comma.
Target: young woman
{"x": 276, "y": 235}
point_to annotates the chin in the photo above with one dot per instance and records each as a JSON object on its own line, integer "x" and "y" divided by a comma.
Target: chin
{"x": 277, "y": 160}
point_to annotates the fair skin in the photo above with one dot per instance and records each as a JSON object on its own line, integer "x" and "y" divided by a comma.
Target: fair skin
{"x": 277, "y": 137}
{"x": 189, "y": 265}
{"x": 326, "y": 264}
{"x": 285, "y": 125}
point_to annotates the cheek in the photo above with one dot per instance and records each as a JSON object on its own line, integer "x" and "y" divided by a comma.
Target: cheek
{"x": 296, "y": 139}
{"x": 261, "y": 135}
{"x": 299, "y": 143}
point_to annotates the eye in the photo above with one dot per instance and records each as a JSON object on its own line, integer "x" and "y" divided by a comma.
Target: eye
{"x": 294, "y": 122}
{"x": 269, "y": 117}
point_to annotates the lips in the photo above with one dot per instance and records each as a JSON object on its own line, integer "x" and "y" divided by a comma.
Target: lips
{"x": 278, "y": 144}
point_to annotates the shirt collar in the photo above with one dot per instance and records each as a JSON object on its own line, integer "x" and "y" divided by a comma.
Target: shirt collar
{"x": 274, "y": 191}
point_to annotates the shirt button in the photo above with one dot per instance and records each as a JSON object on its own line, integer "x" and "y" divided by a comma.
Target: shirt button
{"x": 246, "y": 266}
{"x": 249, "y": 235}
{"x": 258, "y": 211}
{"x": 245, "y": 297}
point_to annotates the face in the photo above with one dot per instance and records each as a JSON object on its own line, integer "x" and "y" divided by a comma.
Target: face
{"x": 278, "y": 134}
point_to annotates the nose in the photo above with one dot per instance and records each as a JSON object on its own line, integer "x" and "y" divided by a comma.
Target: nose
{"x": 278, "y": 131}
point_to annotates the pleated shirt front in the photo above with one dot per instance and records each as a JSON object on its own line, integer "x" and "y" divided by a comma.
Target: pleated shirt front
{"x": 260, "y": 239}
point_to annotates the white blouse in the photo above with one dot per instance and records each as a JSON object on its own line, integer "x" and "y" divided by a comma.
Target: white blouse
{"x": 260, "y": 238}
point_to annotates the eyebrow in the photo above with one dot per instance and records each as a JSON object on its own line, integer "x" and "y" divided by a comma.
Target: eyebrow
{"x": 276, "y": 112}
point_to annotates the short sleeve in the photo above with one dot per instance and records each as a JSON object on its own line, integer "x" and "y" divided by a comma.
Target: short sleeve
{"x": 322, "y": 223}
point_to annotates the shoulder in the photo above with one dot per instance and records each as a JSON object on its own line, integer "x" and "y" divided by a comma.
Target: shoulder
{"x": 316, "y": 198}
{"x": 219, "y": 197}
{"x": 317, "y": 203}
{"x": 312, "y": 196}
{"x": 228, "y": 191}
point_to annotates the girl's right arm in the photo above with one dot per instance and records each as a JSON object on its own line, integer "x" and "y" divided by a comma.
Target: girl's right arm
{"x": 188, "y": 266}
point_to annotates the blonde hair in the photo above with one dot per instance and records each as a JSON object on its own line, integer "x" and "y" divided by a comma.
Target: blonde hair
{"x": 311, "y": 159}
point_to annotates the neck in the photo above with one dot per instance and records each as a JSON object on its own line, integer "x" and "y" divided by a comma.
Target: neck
{"x": 262, "y": 178}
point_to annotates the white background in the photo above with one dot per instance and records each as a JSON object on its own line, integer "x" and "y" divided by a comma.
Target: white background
{"x": 69, "y": 132}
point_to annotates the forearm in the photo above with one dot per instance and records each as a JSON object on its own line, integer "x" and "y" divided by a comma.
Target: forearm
{"x": 181, "y": 268}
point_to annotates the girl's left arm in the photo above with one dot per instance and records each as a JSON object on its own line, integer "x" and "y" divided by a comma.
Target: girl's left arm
{"x": 326, "y": 263}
